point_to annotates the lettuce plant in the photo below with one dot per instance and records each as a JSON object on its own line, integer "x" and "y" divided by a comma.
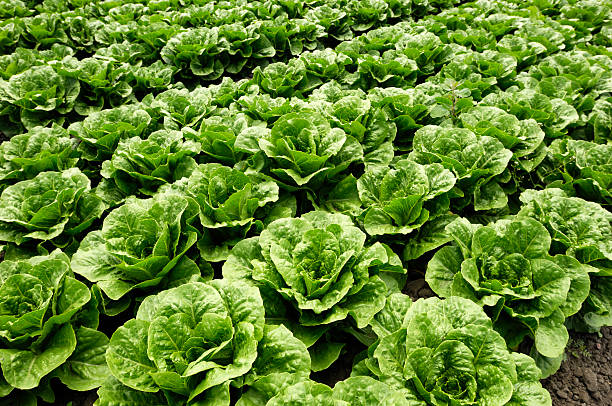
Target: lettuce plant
{"x": 583, "y": 230}
{"x": 188, "y": 344}
{"x": 38, "y": 92}
{"x": 443, "y": 352}
{"x": 231, "y": 205}
{"x": 523, "y": 137}
{"x": 139, "y": 165}
{"x": 319, "y": 265}
{"x": 294, "y": 390}
{"x": 41, "y": 149}
{"x": 101, "y": 131}
{"x": 353, "y": 112}
{"x": 47, "y": 328}
{"x": 553, "y": 114}
{"x": 305, "y": 150}
{"x": 218, "y": 135}
{"x": 528, "y": 292}
{"x": 48, "y": 206}
{"x": 180, "y": 107}
{"x": 141, "y": 246}
{"x": 578, "y": 227}
{"x": 476, "y": 160}
{"x": 582, "y": 166}
{"x": 286, "y": 79}
{"x": 401, "y": 197}
{"x": 599, "y": 122}
{"x": 102, "y": 82}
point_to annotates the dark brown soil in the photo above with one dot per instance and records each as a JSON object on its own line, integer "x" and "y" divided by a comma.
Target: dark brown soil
{"x": 417, "y": 289}
{"x": 585, "y": 378}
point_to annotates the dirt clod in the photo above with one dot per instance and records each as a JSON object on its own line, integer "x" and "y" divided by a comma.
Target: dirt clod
{"x": 585, "y": 377}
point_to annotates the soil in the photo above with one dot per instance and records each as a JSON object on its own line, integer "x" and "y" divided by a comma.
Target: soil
{"x": 417, "y": 289}
{"x": 585, "y": 377}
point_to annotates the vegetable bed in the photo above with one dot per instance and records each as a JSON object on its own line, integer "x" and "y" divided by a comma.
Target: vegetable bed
{"x": 262, "y": 203}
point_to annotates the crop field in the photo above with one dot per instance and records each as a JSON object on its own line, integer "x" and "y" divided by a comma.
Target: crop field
{"x": 309, "y": 203}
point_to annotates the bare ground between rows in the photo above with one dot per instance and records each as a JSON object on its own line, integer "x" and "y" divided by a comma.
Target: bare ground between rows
{"x": 585, "y": 377}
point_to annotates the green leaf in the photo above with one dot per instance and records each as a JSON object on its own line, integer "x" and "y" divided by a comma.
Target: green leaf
{"x": 24, "y": 369}
{"x": 127, "y": 356}
{"x": 86, "y": 368}
{"x": 304, "y": 393}
{"x": 114, "y": 393}
{"x": 324, "y": 353}
{"x": 279, "y": 351}
{"x": 363, "y": 391}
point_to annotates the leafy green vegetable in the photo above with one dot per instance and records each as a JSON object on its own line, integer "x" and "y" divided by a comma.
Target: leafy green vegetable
{"x": 191, "y": 342}
{"x": 476, "y": 160}
{"x": 583, "y": 230}
{"x": 101, "y": 131}
{"x": 319, "y": 264}
{"x": 523, "y": 137}
{"x": 579, "y": 228}
{"x": 352, "y": 111}
{"x": 51, "y": 205}
{"x": 528, "y": 292}
{"x": 305, "y": 150}
{"x": 446, "y": 352}
{"x": 582, "y": 166}
{"x": 139, "y": 165}
{"x": 38, "y": 92}
{"x": 41, "y": 149}
{"x": 401, "y": 198}
{"x": 141, "y": 246}
{"x": 232, "y": 204}
{"x": 47, "y": 326}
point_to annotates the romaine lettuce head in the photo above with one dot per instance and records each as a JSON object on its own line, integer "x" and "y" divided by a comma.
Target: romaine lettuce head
{"x": 47, "y": 326}
{"x": 101, "y": 131}
{"x": 305, "y": 150}
{"x": 193, "y": 341}
{"x": 319, "y": 264}
{"x": 581, "y": 229}
{"x": 47, "y": 206}
{"x": 476, "y": 160}
{"x": 41, "y": 149}
{"x": 401, "y": 197}
{"x": 600, "y": 122}
{"x": 139, "y": 165}
{"x": 353, "y": 391}
{"x": 554, "y": 115}
{"x": 445, "y": 351}
{"x": 37, "y": 91}
{"x": 218, "y": 135}
{"x": 286, "y": 79}
{"x": 506, "y": 266}
{"x": 578, "y": 227}
{"x": 141, "y": 246}
{"x": 231, "y": 205}
{"x": 352, "y": 111}
{"x": 582, "y": 166}
{"x": 523, "y": 137}
{"x": 182, "y": 108}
